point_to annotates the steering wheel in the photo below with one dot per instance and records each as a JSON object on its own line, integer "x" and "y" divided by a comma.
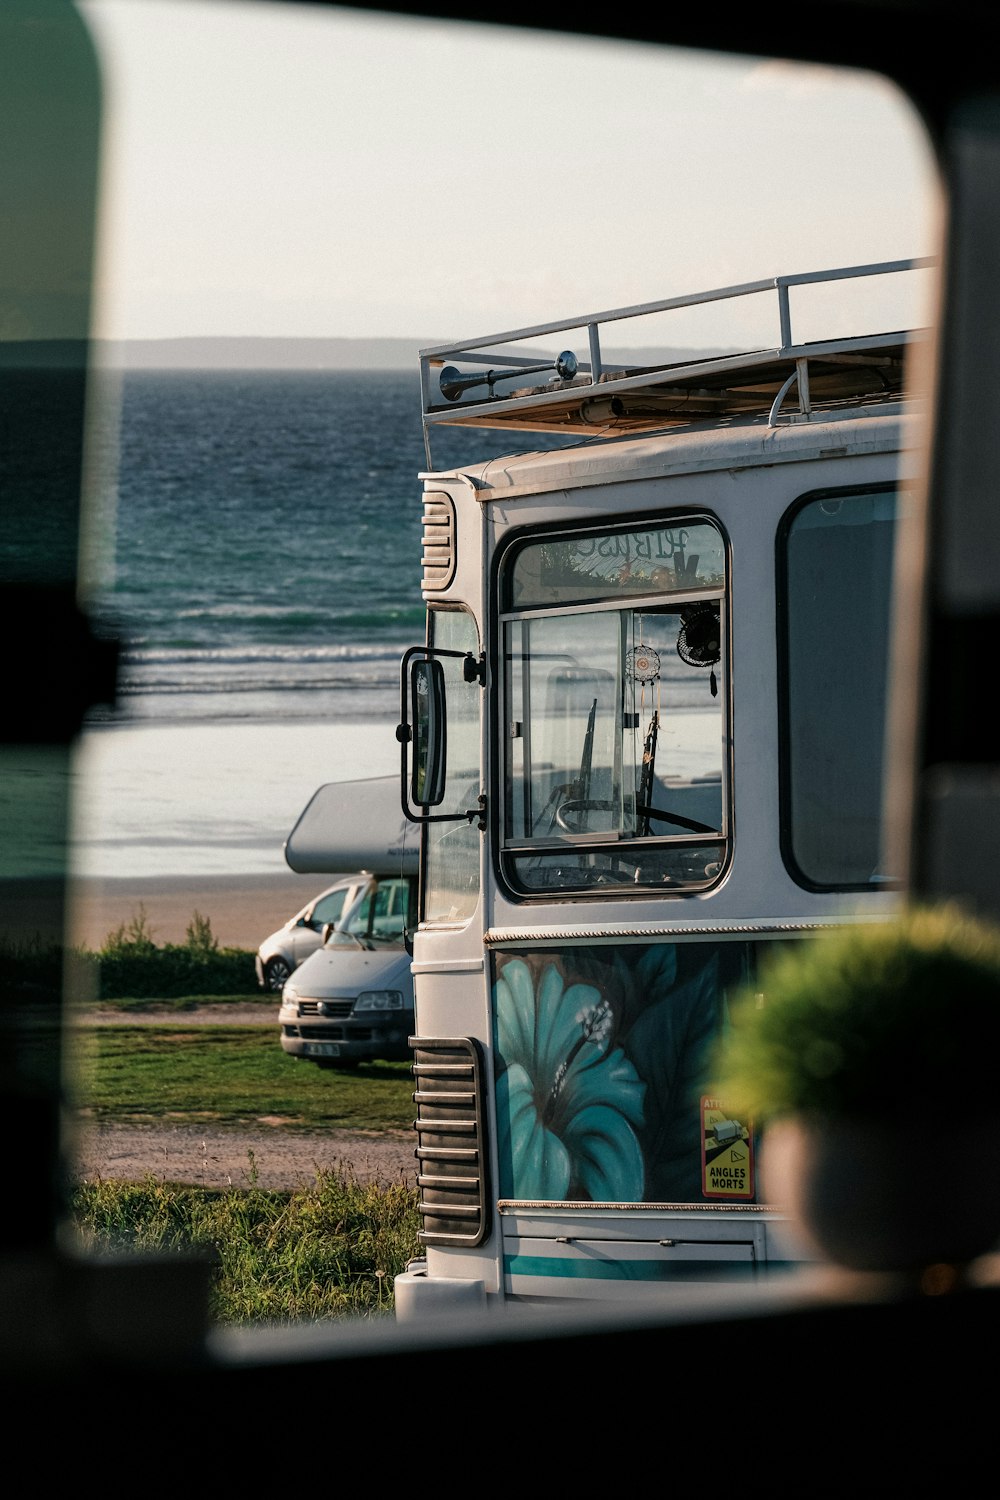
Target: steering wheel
{"x": 579, "y": 805}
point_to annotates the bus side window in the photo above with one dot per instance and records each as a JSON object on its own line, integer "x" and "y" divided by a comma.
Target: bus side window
{"x": 837, "y": 578}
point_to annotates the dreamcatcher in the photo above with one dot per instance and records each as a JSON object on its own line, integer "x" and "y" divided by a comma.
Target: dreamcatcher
{"x": 699, "y": 639}
{"x": 642, "y": 664}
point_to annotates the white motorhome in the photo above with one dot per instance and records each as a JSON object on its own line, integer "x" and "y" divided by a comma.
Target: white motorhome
{"x": 351, "y": 999}
{"x": 658, "y": 657}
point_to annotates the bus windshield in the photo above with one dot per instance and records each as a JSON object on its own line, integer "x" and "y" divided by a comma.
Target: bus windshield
{"x": 615, "y": 764}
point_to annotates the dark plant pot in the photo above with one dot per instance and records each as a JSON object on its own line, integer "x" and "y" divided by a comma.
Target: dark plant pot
{"x": 884, "y": 1196}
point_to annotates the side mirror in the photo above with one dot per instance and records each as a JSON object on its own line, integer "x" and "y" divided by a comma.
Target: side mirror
{"x": 422, "y": 732}
{"x": 325, "y": 931}
{"x": 427, "y": 689}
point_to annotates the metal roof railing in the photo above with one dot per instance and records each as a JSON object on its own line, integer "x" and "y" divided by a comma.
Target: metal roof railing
{"x": 583, "y": 395}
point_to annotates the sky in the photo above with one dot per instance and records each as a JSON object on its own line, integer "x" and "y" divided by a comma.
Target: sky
{"x": 287, "y": 171}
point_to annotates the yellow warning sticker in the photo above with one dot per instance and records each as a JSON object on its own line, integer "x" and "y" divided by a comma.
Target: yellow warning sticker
{"x": 727, "y": 1165}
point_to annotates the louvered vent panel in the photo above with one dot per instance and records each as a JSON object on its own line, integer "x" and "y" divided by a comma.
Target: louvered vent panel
{"x": 437, "y": 553}
{"x": 451, "y": 1148}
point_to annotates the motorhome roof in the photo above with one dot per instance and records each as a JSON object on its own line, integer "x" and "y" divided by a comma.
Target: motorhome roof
{"x": 593, "y": 396}
{"x": 699, "y": 447}
{"x": 353, "y": 825}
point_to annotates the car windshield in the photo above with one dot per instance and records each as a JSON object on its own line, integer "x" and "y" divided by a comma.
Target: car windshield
{"x": 377, "y": 917}
{"x": 328, "y": 908}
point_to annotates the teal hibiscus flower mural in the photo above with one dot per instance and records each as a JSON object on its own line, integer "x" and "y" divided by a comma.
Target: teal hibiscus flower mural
{"x": 568, "y": 1101}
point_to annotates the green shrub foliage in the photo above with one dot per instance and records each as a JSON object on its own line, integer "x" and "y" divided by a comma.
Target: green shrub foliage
{"x": 31, "y": 971}
{"x": 895, "y": 1019}
{"x": 173, "y": 971}
{"x": 132, "y": 965}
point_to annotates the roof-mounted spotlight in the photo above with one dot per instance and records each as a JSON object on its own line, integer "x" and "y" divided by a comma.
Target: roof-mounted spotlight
{"x": 602, "y": 409}
{"x": 453, "y": 382}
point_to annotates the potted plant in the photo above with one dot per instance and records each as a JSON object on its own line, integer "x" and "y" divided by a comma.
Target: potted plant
{"x": 868, "y": 1059}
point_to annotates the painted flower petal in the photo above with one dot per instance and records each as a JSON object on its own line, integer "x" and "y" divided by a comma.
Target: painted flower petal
{"x": 608, "y": 1080}
{"x": 559, "y": 1026}
{"x": 514, "y": 994}
{"x": 607, "y": 1157}
{"x": 535, "y": 1158}
{"x": 565, "y": 1104}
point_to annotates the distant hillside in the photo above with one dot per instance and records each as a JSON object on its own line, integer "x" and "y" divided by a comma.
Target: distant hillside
{"x": 260, "y": 354}
{"x": 269, "y": 354}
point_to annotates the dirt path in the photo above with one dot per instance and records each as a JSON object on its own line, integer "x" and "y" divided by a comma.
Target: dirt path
{"x": 263, "y": 1012}
{"x": 272, "y": 1155}
{"x": 218, "y": 1157}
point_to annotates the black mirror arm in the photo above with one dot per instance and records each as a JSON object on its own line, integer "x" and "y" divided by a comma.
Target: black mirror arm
{"x": 477, "y": 814}
{"x": 474, "y": 670}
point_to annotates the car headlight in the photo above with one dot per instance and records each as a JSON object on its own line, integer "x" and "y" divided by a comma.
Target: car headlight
{"x": 288, "y": 992}
{"x": 378, "y": 1000}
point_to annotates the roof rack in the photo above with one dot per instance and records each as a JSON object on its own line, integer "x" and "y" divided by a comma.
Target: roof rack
{"x": 585, "y": 397}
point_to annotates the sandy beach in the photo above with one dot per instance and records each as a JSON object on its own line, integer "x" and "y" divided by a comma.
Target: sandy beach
{"x": 243, "y": 909}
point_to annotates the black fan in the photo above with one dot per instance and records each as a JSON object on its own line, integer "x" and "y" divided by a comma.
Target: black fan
{"x": 698, "y": 642}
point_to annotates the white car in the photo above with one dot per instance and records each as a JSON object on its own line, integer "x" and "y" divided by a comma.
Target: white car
{"x": 281, "y": 953}
{"x": 351, "y": 1001}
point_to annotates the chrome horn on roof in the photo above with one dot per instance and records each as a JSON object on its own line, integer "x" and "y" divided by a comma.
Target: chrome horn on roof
{"x": 453, "y": 382}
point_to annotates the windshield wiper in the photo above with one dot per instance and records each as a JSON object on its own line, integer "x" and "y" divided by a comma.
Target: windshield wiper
{"x": 644, "y": 808}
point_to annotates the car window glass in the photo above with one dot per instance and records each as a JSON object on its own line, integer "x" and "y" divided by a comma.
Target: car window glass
{"x": 359, "y": 920}
{"x": 328, "y": 908}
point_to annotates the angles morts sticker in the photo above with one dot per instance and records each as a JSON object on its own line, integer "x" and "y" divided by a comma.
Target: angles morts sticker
{"x": 727, "y": 1163}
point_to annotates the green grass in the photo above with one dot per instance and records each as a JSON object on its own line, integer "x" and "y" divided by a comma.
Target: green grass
{"x": 330, "y": 1251}
{"x": 230, "y": 1075}
{"x": 327, "y": 1251}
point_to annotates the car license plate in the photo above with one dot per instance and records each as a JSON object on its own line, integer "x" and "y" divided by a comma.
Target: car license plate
{"x": 322, "y": 1049}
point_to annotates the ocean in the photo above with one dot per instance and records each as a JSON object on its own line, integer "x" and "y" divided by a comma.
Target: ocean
{"x": 259, "y": 559}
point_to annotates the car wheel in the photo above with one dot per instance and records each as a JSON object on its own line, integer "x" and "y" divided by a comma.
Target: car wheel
{"x": 276, "y": 971}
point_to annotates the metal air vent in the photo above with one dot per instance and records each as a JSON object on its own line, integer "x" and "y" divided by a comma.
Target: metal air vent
{"x": 451, "y": 1150}
{"x": 438, "y": 542}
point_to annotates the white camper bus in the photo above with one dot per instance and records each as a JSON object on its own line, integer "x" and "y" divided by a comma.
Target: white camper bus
{"x": 643, "y": 741}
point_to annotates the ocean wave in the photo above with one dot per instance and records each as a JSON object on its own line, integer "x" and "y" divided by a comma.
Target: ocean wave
{"x": 283, "y": 616}
{"x": 269, "y": 675}
{"x": 143, "y": 686}
{"x": 308, "y": 630}
{"x": 263, "y": 655}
